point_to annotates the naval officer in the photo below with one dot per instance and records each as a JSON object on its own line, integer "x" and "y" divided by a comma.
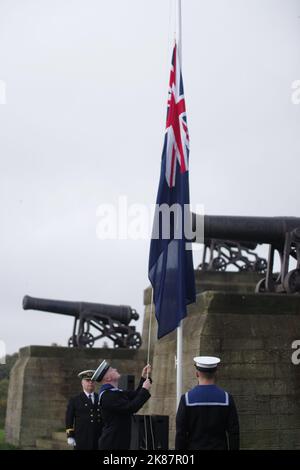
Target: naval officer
{"x": 117, "y": 406}
{"x": 83, "y": 419}
{"x": 207, "y": 418}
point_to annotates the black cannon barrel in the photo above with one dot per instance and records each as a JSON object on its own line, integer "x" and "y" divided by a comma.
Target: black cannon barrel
{"x": 121, "y": 313}
{"x": 242, "y": 228}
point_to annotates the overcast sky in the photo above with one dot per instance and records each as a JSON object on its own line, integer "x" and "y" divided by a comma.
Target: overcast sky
{"x": 86, "y": 91}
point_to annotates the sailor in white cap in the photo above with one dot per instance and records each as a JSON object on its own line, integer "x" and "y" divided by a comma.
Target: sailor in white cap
{"x": 117, "y": 406}
{"x": 83, "y": 419}
{"x": 207, "y": 418}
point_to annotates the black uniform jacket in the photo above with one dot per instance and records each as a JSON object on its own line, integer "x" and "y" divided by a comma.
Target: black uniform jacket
{"x": 117, "y": 408}
{"x": 83, "y": 421}
{"x": 207, "y": 419}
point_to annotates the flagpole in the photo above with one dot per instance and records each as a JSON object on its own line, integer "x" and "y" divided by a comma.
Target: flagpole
{"x": 178, "y": 29}
{"x": 179, "y": 329}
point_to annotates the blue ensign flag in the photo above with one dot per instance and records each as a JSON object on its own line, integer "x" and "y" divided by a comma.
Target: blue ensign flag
{"x": 171, "y": 270}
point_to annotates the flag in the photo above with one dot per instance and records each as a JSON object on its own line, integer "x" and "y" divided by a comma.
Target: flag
{"x": 171, "y": 270}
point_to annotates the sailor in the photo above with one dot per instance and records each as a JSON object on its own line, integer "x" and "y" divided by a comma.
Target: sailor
{"x": 117, "y": 406}
{"x": 83, "y": 419}
{"x": 207, "y": 418}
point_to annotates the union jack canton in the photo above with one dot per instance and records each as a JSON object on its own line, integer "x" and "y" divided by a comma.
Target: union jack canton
{"x": 177, "y": 136}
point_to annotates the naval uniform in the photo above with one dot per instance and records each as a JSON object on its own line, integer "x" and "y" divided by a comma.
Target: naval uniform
{"x": 83, "y": 421}
{"x": 117, "y": 407}
{"x": 207, "y": 419}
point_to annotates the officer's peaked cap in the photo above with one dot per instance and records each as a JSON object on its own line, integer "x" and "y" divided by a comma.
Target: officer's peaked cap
{"x": 86, "y": 374}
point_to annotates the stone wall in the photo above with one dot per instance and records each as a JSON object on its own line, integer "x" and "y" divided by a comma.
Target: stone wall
{"x": 252, "y": 333}
{"x": 42, "y": 381}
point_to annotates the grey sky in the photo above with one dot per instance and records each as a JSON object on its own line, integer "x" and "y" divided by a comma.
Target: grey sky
{"x": 86, "y": 86}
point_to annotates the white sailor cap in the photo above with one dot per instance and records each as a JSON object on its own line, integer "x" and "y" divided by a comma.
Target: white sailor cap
{"x": 101, "y": 371}
{"x": 86, "y": 374}
{"x": 206, "y": 363}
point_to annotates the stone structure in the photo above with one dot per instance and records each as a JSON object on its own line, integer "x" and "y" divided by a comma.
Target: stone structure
{"x": 42, "y": 381}
{"x": 253, "y": 334}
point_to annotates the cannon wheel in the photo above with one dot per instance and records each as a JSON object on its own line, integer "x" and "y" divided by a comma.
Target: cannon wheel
{"x": 260, "y": 286}
{"x": 260, "y": 265}
{"x": 86, "y": 340}
{"x": 291, "y": 281}
{"x": 72, "y": 342}
{"x": 133, "y": 341}
{"x": 219, "y": 264}
{"x": 203, "y": 266}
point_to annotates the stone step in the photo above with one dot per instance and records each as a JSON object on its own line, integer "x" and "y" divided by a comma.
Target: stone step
{"x": 51, "y": 444}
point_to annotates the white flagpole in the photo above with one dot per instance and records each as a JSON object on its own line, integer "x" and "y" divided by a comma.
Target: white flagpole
{"x": 179, "y": 329}
{"x": 179, "y": 364}
{"x": 178, "y": 30}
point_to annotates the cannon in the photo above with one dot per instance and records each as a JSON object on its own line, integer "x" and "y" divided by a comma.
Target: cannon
{"x": 110, "y": 321}
{"x": 282, "y": 234}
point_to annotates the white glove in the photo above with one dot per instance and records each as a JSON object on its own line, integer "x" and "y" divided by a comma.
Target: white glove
{"x": 71, "y": 441}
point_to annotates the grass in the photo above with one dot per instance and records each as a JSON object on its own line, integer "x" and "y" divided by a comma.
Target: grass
{"x": 3, "y": 444}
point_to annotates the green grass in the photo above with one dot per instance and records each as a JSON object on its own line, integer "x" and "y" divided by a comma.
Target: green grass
{"x": 3, "y": 444}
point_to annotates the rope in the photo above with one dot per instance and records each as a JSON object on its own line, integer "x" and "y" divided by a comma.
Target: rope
{"x": 152, "y": 443}
{"x": 146, "y": 436}
{"x": 152, "y": 435}
{"x": 149, "y": 332}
